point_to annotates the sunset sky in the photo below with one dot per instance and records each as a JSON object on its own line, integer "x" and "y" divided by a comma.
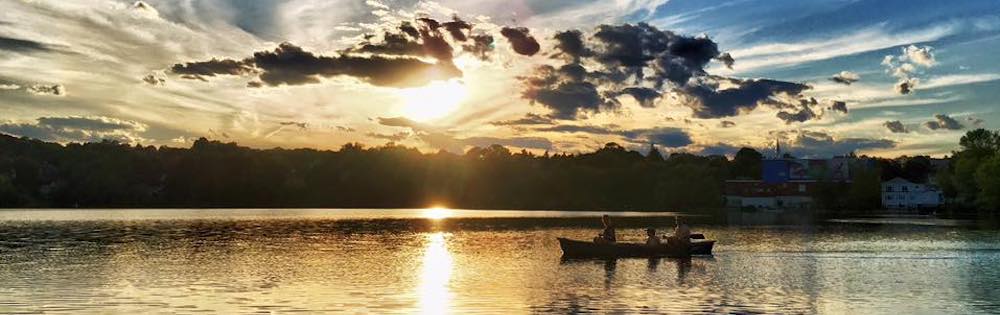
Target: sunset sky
{"x": 825, "y": 77}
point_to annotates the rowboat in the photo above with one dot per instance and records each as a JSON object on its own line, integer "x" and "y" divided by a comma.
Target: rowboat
{"x": 575, "y": 248}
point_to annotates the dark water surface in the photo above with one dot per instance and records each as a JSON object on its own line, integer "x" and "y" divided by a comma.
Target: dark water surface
{"x": 443, "y": 261}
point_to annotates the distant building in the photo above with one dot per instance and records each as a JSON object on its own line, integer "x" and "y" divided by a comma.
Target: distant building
{"x": 899, "y": 193}
{"x": 786, "y": 183}
{"x": 757, "y": 194}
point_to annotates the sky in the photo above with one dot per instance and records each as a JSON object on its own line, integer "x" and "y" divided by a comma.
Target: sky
{"x": 822, "y": 77}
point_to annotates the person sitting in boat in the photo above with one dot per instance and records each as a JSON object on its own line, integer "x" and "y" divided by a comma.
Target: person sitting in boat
{"x": 651, "y": 238}
{"x": 608, "y": 235}
{"x": 682, "y": 233}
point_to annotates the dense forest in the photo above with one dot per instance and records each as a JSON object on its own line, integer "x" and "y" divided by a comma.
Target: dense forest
{"x": 215, "y": 174}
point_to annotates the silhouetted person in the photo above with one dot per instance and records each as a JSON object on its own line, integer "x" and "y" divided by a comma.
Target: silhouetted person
{"x": 651, "y": 238}
{"x": 682, "y": 233}
{"x": 608, "y": 235}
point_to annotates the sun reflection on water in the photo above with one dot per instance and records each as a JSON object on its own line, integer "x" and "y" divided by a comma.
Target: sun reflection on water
{"x": 435, "y": 296}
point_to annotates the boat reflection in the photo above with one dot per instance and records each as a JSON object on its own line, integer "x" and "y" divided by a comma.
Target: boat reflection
{"x": 435, "y": 296}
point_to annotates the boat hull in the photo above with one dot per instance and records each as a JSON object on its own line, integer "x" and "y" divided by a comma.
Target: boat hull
{"x": 574, "y": 248}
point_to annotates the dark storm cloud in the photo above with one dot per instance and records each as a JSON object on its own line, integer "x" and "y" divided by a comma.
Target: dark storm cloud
{"x": 845, "y": 77}
{"x": 570, "y": 45}
{"x": 645, "y": 96}
{"x": 22, "y": 45}
{"x": 645, "y": 62}
{"x": 895, "y": 126}
{"x": 457, "y": 28}
{"x": 521, "y": 40}
{"x": 528, "y": 119}
{"x": 726, "y": 59}
{"x": 212, "y": 68}
{"x": 838, "y": 106}
{"x": 291, "y": 65}
{"x": 393, "y": 44}
{"x": 942, "y": 121}
{"x": 747, "y": 95}
{"x": 905, "y": 86}
{"x": 408, "y": 29}
{"x": 804, "y": 114}
{"x": 667, "y": 137}
{"x": 813, "y": 144}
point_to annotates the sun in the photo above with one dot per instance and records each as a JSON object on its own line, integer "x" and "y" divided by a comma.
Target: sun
{"x": 437, "y": 213}
{"x": 433, "y": 101}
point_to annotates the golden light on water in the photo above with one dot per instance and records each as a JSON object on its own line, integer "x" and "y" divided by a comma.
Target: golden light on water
{"x": 433, "y": 101}
{"x": 437, "y": 213}
{"x": 435, "y": 296}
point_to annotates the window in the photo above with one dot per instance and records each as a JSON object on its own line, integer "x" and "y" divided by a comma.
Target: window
{"x": 905, "y": 189}
{"x": 888, "y": 197}
{"x": 888, "y": 188}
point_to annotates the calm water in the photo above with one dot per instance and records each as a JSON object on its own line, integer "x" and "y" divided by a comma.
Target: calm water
{"x": 439, "y": 261}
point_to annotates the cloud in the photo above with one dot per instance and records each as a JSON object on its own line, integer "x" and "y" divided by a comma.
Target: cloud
{"x": 709, "y": 102}
{"x": 450, "y": 143}
{"x": 22, "y": 45}
{"x": 726, "y": 124}
{"x": 944, "y": 122}
{"x": 975, "y": 121}
{"x": 404, "y": 122}
{"x": 923, "y": 56}
{"x": 666, "y": 136}
{"x": 152, "y": 79}
{"x": 804, "y": 114}
{"x": 895, "y": 126}
{"x": 838, "y": 106}
{"x": 78, "y": 129}
{"x": 42, "y": 89}
{"x": 212, "y": 68}
{"x": 528, "y": 119}
{"x": 395, "y": 137}
{"x": 300, "y": 124}
{"x": 905, "y": 67}
{"x": 718, "y": 149}
{"x": 521, "y": 40}
{"x": 815, "y": 144}
{"x": 9, "y": 86}
{"x": 645, "y": 63}
{"x": 291, "y": 65}
{"x": 726, "y": 59}
{"x": 845, "y": 77}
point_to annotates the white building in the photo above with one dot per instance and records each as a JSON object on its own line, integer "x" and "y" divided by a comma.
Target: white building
{"x": 899, "y": 193}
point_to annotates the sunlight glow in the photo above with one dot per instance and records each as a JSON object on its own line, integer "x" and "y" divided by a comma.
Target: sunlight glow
{"x": 435, "y": 298}
{"x": 437, "y": 213}
{"x": 433, "y": 101}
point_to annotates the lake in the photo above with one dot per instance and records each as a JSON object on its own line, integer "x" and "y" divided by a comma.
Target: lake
{"x": 461, "y": 261}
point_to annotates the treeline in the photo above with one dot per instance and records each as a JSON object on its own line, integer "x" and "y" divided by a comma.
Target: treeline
{"x": 216, "y": 174}
{"x": 973, "y": 180}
